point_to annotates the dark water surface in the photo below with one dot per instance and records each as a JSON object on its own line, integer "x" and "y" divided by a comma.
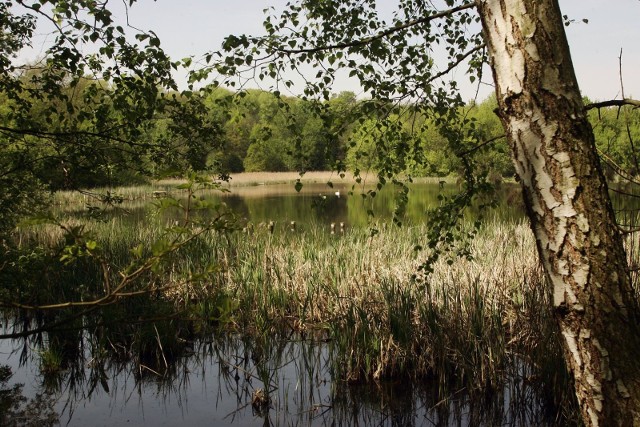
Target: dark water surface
{"x": 214, "y": 384}
{"x": 342, "y": 203}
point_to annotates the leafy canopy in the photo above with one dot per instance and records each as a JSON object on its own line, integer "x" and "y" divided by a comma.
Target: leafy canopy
{"x": 407, "y": 91}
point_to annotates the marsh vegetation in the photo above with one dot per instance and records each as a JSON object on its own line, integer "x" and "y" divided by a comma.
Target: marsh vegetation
{"x": 475, "y": 331}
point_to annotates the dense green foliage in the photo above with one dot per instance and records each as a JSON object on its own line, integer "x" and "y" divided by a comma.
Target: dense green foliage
{"x": 116, "y": 116}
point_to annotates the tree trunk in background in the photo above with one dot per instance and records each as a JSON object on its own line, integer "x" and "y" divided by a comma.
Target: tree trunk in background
{"x": 568, "y": 205}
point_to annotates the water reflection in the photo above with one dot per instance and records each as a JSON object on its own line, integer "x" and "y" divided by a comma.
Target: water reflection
{"x": 214, "y": 380}
{"x": 317, "y": 202}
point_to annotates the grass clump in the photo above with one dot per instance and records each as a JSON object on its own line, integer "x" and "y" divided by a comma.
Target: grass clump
{"x": 472, "y": 323}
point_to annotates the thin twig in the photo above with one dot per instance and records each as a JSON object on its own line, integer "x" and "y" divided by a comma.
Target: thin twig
{"x": 620, "y": 73}
{"x": 166, "y": 365}
{"x": 479, "y": 146}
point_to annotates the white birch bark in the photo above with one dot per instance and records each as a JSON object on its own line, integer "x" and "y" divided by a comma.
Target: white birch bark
{"x": 567, "y": 200}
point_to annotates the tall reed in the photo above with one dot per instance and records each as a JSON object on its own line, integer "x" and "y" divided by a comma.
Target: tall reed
{"x": 471, "y": 324}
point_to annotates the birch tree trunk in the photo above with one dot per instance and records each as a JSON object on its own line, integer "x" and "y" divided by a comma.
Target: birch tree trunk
{"x": 568, "y": 205}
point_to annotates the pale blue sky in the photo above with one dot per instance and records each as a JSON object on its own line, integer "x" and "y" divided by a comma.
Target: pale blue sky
{"x": 193, "y": 27}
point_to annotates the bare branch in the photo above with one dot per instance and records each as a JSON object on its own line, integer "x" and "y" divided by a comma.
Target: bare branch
{"x": 620, "y": 72}
{"x": 617, "y": 168}
{"x": 613, "y": 103}
{"x": 633, "y": 148}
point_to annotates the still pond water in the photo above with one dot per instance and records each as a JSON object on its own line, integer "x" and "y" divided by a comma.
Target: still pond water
{"x": 215, "y": 379}
{"x": 215, "y": 384}
{"x": 342, "y": 203}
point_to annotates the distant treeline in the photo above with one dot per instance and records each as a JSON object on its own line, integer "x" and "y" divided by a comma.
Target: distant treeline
{"x": 262, "y": 131}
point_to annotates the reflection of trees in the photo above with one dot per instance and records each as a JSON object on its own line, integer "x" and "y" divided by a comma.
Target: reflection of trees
{"x": 169, "y": 360}
{"x": 17, "y": 410}
{"x": 356, "y": 206}
{"x": 318, "y": 202}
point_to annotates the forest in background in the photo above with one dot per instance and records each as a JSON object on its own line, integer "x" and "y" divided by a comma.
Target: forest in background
{"x": 256, "y": 131}
{"x": 85, "y": 138}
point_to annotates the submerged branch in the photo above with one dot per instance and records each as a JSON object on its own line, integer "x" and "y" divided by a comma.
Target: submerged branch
{"x": 49, "y": 327}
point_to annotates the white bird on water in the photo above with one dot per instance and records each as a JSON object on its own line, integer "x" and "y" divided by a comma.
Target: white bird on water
{"x": 337, "y": 194}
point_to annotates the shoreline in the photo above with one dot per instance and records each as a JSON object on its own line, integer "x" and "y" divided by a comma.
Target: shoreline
{"x": 244, "y": 179}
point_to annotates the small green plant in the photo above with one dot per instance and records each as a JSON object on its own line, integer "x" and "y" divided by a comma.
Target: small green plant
{"x": 50, "y": 362}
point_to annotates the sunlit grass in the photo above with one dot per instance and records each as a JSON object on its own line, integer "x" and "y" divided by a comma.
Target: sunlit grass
{"x": 472, "y": 323}
{"x": 469, "y": 315}
{"x": 362, "y": 291}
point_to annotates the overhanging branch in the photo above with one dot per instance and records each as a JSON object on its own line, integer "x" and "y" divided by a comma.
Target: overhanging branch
{"x": 51, "y": 135}
{"x": 613, "y": 103}
{"x": 382, "y": 34}
{"x": 457, "y": 62}
{"x": 479, "y": 146}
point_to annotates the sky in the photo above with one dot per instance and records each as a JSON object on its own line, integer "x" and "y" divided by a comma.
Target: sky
{"x": 194, "y": 27}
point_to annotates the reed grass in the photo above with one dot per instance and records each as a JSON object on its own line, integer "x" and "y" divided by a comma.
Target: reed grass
{"x": 473, "y": 323}
{"x": 465, "y": 320}
{"x": 465, "y": 324}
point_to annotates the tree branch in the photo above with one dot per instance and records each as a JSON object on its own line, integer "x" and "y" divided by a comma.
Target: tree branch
{"x": 613, "y": 103}
{"x": 456, "y": 63}
{"x": 617, "y": 168}
{"x": 51, "y": 135}
{"x": 479, "y": 146}
{"x": 382, "y": 34}
{"x": 620, "y": 72}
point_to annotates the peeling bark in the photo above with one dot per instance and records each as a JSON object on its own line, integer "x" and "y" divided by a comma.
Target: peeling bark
{"x": 568, "y": 205}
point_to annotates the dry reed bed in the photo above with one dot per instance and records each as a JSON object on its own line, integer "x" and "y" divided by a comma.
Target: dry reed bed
{"x": 472, "y": 323}
{"x": 469, "y": 320}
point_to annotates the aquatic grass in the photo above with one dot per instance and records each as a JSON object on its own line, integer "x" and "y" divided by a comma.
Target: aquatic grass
{"x": 50, "y": 362}
{"x": 358, "y": 291}
{"x": 466, "y": 325}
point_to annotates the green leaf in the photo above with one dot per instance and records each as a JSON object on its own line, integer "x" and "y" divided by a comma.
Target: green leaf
{"x": 137, "y": 251}
{"x": 160, "y": 247}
